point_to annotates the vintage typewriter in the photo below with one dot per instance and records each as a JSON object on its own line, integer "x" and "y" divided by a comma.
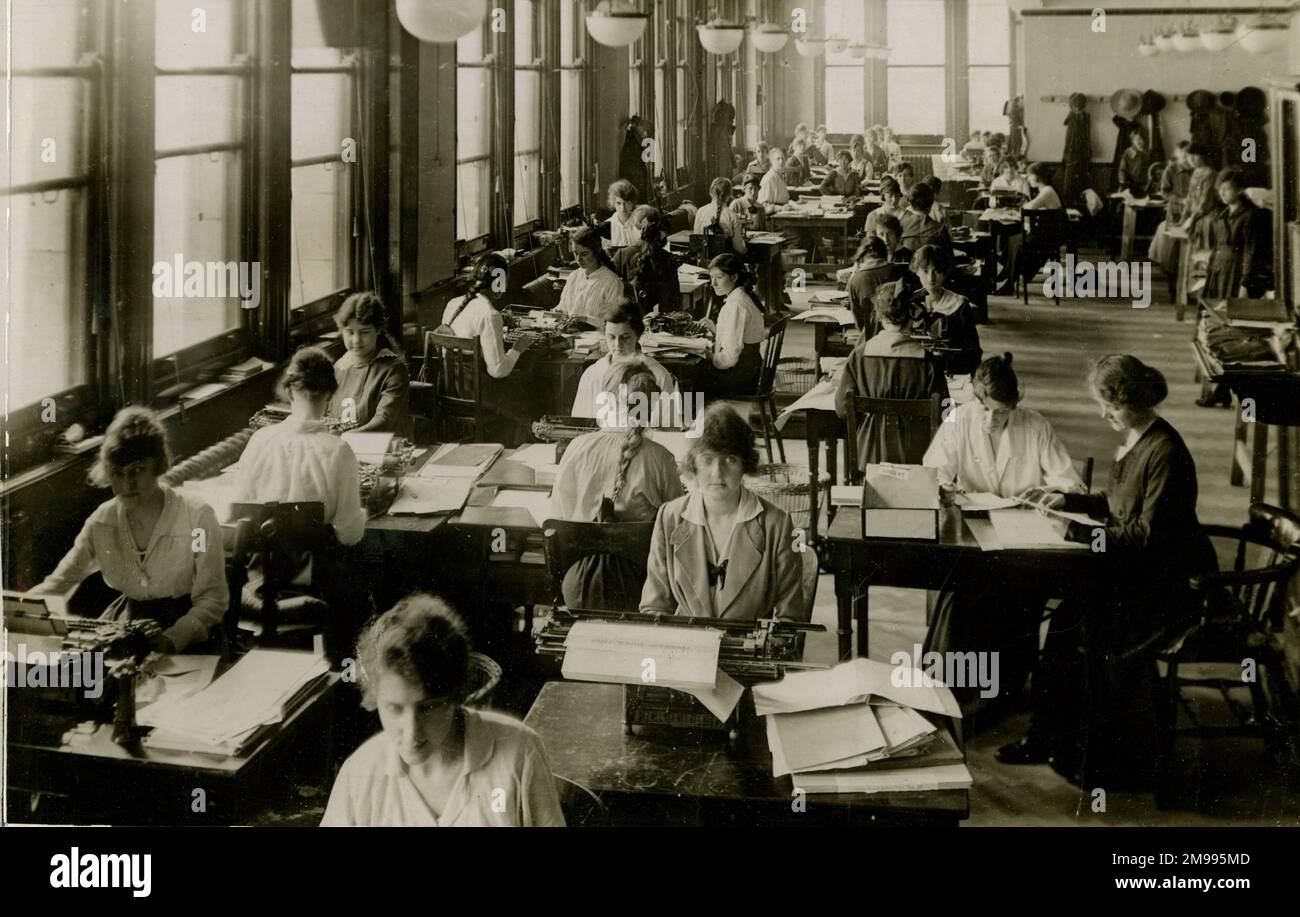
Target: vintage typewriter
{"x": 548, "y": 332}
{"x": 750, "y": 652}
{"x": 682, "y": 324}
{"x": 557, "y": 428}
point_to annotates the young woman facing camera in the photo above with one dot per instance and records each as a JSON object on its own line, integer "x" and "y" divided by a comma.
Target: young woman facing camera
{"x": 373, "y": 384}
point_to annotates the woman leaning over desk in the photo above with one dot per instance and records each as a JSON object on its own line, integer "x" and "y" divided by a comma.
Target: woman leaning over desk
{"x": 146, "y": 543}
{"x": 1093, "y": 693}
{"x": 722, "y": 551}
{"x": 994, "y": 446}
{"x": 436, "y": 762}
{"x": 736, "y": 362}
{"x": 373, "y": 383}
{"x": 595, "y": 282}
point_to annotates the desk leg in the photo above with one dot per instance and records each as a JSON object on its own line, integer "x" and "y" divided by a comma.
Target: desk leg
{"x": 811, "y": 438}
{"x": 1126, "y": 236}
{"x": 861, "y": 608}
{"x": 844, "y": 606}
{"x": 1235, "y": 477}
{"x": 1259, "y": 464}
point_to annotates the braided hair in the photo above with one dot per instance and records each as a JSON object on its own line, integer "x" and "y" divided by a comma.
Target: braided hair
{"x": 720, "y": 191}
{"x": 733, "y": 266}
{"x": 633, "y": 377}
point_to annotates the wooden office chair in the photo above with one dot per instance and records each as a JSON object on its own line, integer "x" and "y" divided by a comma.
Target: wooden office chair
{"x": 1046, "y": 233}
{"x": 1241, "y": 621}
{"x": 455, "y": 367}
{"x": 282, "y": 535}
{"x": 1084, "y": 468}
{"x": 764, "y": 397}
{"x": 904, "y": 411}
{"x": 566, "y": 543}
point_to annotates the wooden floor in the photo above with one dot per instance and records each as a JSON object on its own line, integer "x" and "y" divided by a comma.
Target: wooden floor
{"x": 1053, "y": 347}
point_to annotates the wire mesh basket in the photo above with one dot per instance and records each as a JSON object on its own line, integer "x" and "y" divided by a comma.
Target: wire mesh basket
{"x": 796, "y": 375}
{"x": 786, "y": 486}
{"x": 484, "y": 676}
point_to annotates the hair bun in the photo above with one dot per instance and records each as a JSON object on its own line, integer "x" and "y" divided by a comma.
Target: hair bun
{"x": 1006, "y": 357}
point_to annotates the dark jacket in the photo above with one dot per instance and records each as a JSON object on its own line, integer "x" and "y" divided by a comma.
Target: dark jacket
{"x": 1241, "y": 252}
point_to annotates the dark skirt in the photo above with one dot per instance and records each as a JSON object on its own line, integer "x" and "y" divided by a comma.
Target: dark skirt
{"x": 166, "y": 612}
{"x": 740, "y": 380}
{"x": 604, "y": 582}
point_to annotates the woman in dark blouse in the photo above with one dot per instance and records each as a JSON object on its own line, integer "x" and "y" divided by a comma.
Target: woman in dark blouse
{"x": 945, "y": 315}
{"x": 1241, "y": 250}
{"x": 1094, "y": 693}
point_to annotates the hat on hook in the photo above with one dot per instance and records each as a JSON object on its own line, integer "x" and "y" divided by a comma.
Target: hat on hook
{"x": 1152, "y": 102}
{"x": 1252, "y": 102}
{"x": 1199, "y": 99}
{"x": 1228, "y": 99}
{"x": 1078, "y": 101}
{"x": 1126, "y": 103}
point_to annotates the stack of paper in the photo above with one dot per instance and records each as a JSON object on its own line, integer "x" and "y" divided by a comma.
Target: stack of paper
{"x": 235, "y": 711}
{"x": 461, "y": 460}
{"x": 421, "y": 496}
{"x": 588, "y": 342}
{"x": 653, "y": 342}
{"x": 246, "y": 370}
{"x": 857, "y": 728}
{"x": 684, "y": 658}
{"x": 827, "y": 314}
{"x": 536, "y": 502}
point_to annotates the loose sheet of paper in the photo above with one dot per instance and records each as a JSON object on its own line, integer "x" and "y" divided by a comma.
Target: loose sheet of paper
{"x": 425, "y": 496}
{"x": 853, "y": 682}
{"x": 814, "y": 739}
{"x": 1027, "y": 528}
{"x": 982, "y": 501}
{"x": 537, "y": 502}
{"x": 369, "y": 447}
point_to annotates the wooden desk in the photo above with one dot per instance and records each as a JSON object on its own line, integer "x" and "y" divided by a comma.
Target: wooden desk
{"x": 108, "y": 783}
{"x": 1129, "y": 235}
{"x": 671, "y": 777}
{"x": 955, "y": 557}
{"x": 840, "y": 225}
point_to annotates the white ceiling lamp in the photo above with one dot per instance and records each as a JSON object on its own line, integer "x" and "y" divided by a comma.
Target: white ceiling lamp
{"x": 1188, "y": 40}
{"x": 836, "y": 44}
{"x": 768, "y": 37}
{"x": 810, "y": 47}
{"x": 857, "y": 50}
{"x": 719, "y": 37}
{"x": 1262, "y": 35}
{"x": 1219, "y": 37}
{"x": 442, "y": 21}
{"x": 1147, "y": 48}
{"x": 616, "y": 23}
{"x": 1165, "y": 41}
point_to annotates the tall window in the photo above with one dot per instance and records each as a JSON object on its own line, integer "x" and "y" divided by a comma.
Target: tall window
{"x": 473, "y": 137}
{"x": 528, "y": 123}
{"x": 917, "y": 92}
{"x": 325, "y": 150}
{"x": 45, "y": 334}
{"x": 199, "y": 142}
{"x": 570, "y": 133}
{"x": 846, "y": 102}
{"x": 665, "y": 68}
{"x": 988, "y": 49}
{"x": 686, "y": 97}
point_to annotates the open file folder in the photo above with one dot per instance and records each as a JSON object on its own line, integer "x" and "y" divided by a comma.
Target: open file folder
{"x": 900, "y": 501}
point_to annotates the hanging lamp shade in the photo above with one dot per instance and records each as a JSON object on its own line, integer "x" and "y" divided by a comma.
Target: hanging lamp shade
{"x": 810, "y": 47}
{"x": 719, "y": 37}
{"x": 442, "y": 21}
{"x": 616, "y": 23}
{"x": 1147, "y": 48}
{"x": 1187, "y": 40}
{"x": 857, "y": 50}
{"x": 1260, "y": 36}
{"x": 1217, "y": 39}
{"x": 836, "y": 44}
{"x": 769, "y": 37}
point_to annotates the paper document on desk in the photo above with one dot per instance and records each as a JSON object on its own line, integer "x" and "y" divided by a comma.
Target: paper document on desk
{"x": 826, "y": 738}
{"x": 821, "y": 397}
{"x": 676, "y": 657}
{"x": 1027, "y": 528}
{"x": 173, "y": 677}
{"x": 456, "y": 460}
{"x": 854, "y": 682}
{"x": 537, "y": 502}
{"x": 954, "y": 776}
{"x": 369, "y": 447}
{"x": 827, "y": 313}
{"x": 535, "y": 454}
{"x": 722, "y": 698}
{"x": 657, "y": 342}
{"x": 426, "y": 496}
{"x": 982, "y": 501}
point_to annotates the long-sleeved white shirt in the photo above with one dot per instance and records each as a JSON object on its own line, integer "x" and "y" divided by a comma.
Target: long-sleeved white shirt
{"x": 739, "y": 323}
{"x": 299, "y": 461}
{"x": 585, "y": 295}
{"x": 593, "y": 377}
{"x": 622, "y": 233}
{"x": 588, "y": 470}
{"x": 478, "y": 319}
{"x": 733, "y": 226}
{"x": 1028, "y": 454}
{"x": 184, "y": 557}
{"x": 772, "y": 189}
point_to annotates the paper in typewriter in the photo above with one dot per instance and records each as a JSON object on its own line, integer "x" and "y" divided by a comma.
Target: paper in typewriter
{"x": 850, "y": 683}
{"x": 671, "y": 657}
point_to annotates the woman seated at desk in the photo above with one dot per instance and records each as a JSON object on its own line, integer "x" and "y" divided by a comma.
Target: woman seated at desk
{"x": 891, "y": 365}
{"x": 1154, "y": 545}
{"x": 890, "y": 231}
{"x": 723, "y": 551}
{"x": 623, "y": 328}
{"x": 616, "y": 475}
{"x": 373, "y": 383}
{"x": 859, "y": 162}
{"x": 594, "y": 284}
{"x": 717, "y": 217}
{"x": 891, "y": 204}
{"x": 871, "y": 270}
{"x": 647, "y": 268}
{"x": 1009, "y": 180}
{"x": 735, "y": 364}
{"x": 746, "y": 206}
{"x": 946, "y": 316}
{"x": 622, "y": 227}
{"x": 919, "y": 227}
{"x": 842, "y": 179}
{"x": 1043, "y": 194}
{"x": 773, "y": 193}
{"x": 994, "y": 446}
{"x": 143, "y": 543}
{"x": 436, "y": 762}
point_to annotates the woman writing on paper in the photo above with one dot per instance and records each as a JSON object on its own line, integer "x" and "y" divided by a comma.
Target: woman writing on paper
{"x": 994, "y": 446}
{"x": 1096, "y": 723}
{"x": 145, "y": 540}
{"x": 436, "y": 762}
{"x": 723, "y": 551}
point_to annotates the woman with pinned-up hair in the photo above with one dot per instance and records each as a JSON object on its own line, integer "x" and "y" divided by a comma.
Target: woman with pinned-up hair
{"x": 994, "y": 446}
{"x": 735, "y": 363}
{"x": 1094, "y": 698}
{"x": 373, "y": 383}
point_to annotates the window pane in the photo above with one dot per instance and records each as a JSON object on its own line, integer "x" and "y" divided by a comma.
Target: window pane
{"x": 846, "y": 102}
{"x": 58, "y": 24}
{"x": 916, "y": 33}
{"x": 188, "y": 34}
{"x": 916, "y": 100}
{"x": 681, "y": 124}
{"x": 45, "y": 335}
{"x": 567, "y": 53}
{"x": 196, "y": 219}
{"x": 473, "y": 112}
{"x": 988, "y": 37}
{"x": 47, "y": 117}
{"x": 321, "y": 235}
{"x": 322, "y": 113}
{"x": 990, "y": 87}
{"x": 311, "y": 39}
{"x": 472, "y": 199}
{"x": 528, "y": 143}
{"x": 197, "y": 109}
{"x": 570, "y": 105}
{"x": 524, "y": 45}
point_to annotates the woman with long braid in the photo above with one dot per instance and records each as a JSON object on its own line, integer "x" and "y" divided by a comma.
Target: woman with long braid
{"x": 616, "y": 474}
{"x": 734, "y": 366}
{"x": 717, "y": 217}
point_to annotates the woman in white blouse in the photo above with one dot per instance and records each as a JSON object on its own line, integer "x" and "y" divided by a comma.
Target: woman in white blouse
{"x": 594, "y": 284}
{"x": 622, "y": 200}
{"x": 717, "y": 216}
{"x": 159, "y": 548}
{"x": 436, "y": 762}
{"x": 735, "y": 363}
{"x": 994, "y": 446}
{"x": 1044, "y": 196}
